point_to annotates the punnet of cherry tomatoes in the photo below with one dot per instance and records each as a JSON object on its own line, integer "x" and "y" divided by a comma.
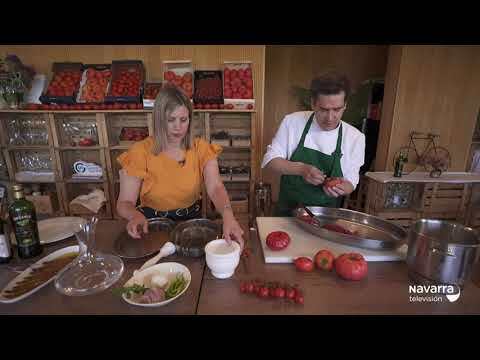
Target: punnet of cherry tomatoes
{"x": 273, "y": 290}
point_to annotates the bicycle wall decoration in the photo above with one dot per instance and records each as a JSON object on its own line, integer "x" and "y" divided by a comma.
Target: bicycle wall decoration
{"x": 434, "y": 159}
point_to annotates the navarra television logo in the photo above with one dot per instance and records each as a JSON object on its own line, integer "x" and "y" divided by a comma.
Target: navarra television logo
{"x": 433, "y": 293}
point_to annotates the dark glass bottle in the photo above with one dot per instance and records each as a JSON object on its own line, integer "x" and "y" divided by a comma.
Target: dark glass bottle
{"x": 5, "y": 247}
{"x": 399, "y": 166}
{"x": 24, "y": 220}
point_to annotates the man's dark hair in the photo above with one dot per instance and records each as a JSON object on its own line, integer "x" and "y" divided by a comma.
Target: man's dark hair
{"x": 330, "y": 83}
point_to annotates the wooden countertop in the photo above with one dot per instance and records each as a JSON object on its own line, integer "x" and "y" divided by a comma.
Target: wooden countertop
{"x": 385, "y": 291}
{"x": 424, "y": 177}
{"x": 47, "y": 301}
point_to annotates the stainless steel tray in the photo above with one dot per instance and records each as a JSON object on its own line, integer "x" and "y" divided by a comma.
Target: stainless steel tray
{"x": 191, "y": 236}
{"x": 159, "y": 230}
{"x": 370, "y": 231}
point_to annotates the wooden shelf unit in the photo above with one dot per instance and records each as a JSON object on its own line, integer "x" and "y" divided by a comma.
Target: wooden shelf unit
{"x": 107, "y": 148}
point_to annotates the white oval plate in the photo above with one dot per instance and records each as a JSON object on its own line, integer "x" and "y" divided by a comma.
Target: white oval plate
{"x": 169, "y": 270}
{"x": 20, "y": 277}
{"x": 56, "y": 229}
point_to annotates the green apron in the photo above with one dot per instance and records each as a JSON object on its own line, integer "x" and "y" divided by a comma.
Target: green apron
{"x": 295, "y": 190}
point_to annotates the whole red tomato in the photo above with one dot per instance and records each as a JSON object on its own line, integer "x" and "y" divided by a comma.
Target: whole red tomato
{"x": 290, "y": 293}
{"x": 278, "y": 240}
{"x": 279, "y": 292}
{"x": 304, "y": 264}
{"x": 299, "y": 298}
{"x": 263, "y": 292}
{"x": 351, "y": 266}
{"x": 250, "y": 287}
{"x": 324, "y": 260}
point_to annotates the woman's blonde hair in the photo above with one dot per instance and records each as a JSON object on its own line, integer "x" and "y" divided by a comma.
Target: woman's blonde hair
{"x": 168, "y": 99}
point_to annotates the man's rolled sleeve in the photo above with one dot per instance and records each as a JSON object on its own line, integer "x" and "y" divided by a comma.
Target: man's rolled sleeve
{"x": 279, "y": 146}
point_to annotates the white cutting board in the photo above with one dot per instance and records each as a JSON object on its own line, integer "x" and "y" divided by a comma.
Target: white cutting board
{"x": 306, "y": 244}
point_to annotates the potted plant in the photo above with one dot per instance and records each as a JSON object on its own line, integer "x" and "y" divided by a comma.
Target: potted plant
{"x": 15, "y": 80}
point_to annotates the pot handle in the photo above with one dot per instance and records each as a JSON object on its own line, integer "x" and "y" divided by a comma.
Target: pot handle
{"x": 438, "y": 251}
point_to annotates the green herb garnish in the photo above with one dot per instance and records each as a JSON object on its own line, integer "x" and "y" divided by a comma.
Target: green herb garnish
{"x": 129, "y": 290}
{"x": 176, "y": 286}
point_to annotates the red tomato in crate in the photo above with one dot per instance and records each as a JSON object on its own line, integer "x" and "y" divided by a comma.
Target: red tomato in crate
{"x": 188, "y": 77}
{"x": 304, "y": 264}
{"x": 278, "y": 240}
{"x": 351, "y": 266}
{"x": 324, "y": 259}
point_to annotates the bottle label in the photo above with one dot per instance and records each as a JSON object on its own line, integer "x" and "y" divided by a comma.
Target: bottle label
{"x": 25, "y": 231}
{"x": 5, "y": 251}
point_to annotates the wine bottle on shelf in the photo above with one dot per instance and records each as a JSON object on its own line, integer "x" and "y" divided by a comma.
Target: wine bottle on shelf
{"x": 24, "y": 220}
{"x": 5, "y": 246}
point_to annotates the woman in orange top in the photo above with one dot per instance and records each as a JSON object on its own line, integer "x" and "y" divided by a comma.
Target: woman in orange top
{"x": 167, "y": 171}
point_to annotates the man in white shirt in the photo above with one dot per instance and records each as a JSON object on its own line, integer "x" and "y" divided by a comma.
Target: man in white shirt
{"x": 312, "y": 146}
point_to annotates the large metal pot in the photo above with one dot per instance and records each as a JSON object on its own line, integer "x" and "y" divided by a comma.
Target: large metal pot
{"x": 441, "y": 252}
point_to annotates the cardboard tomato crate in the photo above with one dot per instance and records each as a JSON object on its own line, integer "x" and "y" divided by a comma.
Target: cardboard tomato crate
{"x": 150, "y": 92}
{"x": 62, "y": 75}
{"x": 180, "y": 74}
{"x": 94, "y": 84}
{"x": 126, "y": 86}
{"x": 208, "y": 87}
{"x": 238, "y": 87}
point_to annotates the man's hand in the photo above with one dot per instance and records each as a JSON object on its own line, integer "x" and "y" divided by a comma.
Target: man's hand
{"x": 342, "y": 189}
{"x": 312, "y": 175}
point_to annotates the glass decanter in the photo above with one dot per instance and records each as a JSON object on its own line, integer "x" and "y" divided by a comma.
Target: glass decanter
{"x": 92, "y": 271}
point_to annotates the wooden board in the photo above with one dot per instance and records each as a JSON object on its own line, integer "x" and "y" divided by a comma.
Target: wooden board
{"x": 306, "y": 244}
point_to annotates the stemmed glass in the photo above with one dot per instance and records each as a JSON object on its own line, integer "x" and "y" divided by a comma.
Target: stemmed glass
{"x": 92, "y": 271}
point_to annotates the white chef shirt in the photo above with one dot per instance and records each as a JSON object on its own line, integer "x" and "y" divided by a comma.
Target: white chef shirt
{"x": 288, "y": 135}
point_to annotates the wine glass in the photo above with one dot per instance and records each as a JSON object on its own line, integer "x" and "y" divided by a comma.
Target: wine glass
{"x": 92, "y": 271}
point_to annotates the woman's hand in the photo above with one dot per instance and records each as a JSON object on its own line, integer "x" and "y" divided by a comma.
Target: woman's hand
{"x": 133, "y": 224}
{"x": 232, "y": 231}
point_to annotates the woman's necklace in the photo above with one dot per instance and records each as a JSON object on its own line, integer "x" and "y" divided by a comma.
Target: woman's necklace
{"x": 177, "y": 154}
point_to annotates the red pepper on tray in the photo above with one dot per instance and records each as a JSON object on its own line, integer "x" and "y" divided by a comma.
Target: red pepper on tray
{"x": 337, "y": 228}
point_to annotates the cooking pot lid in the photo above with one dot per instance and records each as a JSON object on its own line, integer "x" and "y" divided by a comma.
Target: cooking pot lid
{"x": 159, "y": 230}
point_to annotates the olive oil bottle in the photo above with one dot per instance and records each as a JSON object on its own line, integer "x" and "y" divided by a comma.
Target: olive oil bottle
{"x": 24, "y": 220}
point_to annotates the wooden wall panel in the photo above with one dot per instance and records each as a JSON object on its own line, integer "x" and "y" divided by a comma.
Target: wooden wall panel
{"x": 437, "y": 91}
{"x": 388, "y": 108}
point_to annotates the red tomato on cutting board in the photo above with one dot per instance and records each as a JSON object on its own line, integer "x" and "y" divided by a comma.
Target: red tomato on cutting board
{"x": 278, "y": 240}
